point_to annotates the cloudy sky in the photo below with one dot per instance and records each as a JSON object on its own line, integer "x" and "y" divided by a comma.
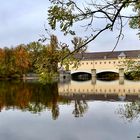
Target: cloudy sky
{"x": 23, "y": 22}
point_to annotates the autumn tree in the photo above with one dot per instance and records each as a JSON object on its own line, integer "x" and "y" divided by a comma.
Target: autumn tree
{"x": 8, "y": 65}
{"x": 1, "y": 61}
{"x": 22, "y": 61}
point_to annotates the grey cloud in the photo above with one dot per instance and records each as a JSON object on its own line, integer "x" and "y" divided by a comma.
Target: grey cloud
{"x": 21, "y": 22}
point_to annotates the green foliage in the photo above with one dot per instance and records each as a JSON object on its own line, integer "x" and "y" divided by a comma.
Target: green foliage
{"x": 63, "y": 15}
{"x": 69, "y": 12}
{"x": 135, "y": 22}
{"x": 132, "y": 69}
{"x": 35, "y": 58}
{"x": 78, "y": 42}
{"x": 47, "y": 63}
{"x": 34, "y": 49}
{"x": 48, "y": 77}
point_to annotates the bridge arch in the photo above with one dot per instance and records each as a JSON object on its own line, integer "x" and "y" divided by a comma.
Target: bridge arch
{"x": 81, "y": 76}
{"x": 107, "y": 75}
{"x": 80, "y": 71}
{"x": 107, "y": 70}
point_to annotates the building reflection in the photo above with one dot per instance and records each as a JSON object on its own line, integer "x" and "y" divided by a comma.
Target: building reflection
{"x": 106, "y": 91}
{"x": 35, "y": 97}
{"x": 101, "y": 90}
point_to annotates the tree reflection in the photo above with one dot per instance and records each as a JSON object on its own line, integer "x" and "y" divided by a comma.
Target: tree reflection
{"x": 36, "y": 98}
{"x": 130, "y": 111}
{"x": 80, "y": 108}
{"x": 33, "y": 97}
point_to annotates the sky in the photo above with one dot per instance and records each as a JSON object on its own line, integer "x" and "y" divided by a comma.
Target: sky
{"x": 22, "y": 22}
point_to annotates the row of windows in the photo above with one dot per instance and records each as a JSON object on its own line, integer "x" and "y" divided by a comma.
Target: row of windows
{"x": 114, "y": 62}
{"x": 100, "y": 90}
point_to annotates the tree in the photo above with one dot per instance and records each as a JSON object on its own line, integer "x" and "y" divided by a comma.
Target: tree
{"x": 34, "y": 49}
{"x": 78, "y": 42}
{"x": 132, "y": 69}
{"x": 8, "y": 63}
{"x": 68, "y": 13}
{"x": 135, "y": 22}
{"x": 47, "y": 62}
{"x": 22, "y": 61}
{"x": 1, "y": 61}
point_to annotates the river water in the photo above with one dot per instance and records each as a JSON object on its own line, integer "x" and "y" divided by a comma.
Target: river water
{"x": 70, "y": 111}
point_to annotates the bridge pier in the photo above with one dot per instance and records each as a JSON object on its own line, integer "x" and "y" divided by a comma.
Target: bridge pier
{"x": 64, "y": 76}
{"x": 93, "y": 76}
{"x": 121, "y": 76}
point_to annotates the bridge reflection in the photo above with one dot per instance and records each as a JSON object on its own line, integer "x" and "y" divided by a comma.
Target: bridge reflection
{"x": 81, "y": 76}
{"x": 129, "y": 91}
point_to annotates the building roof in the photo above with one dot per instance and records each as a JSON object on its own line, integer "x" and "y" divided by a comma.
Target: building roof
{"x": 108, "y": 55}
{"x": 122, "y": 54}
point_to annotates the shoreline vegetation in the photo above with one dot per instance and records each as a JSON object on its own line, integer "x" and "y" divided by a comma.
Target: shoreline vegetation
{"x": 38, "y": 61}
{"x": 34, "y": 58}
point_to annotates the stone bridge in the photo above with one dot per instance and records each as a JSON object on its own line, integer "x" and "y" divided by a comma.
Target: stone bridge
{"x": 99, "y": 62}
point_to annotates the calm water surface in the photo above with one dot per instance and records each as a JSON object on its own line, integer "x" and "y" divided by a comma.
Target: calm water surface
{"x": 70, "y": 111}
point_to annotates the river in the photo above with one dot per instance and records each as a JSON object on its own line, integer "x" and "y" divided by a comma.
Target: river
{"x": 70, "y": 111}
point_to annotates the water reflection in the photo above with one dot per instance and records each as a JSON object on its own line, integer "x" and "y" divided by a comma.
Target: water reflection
{"x": 80, "y": 107}
{"x": 101, "y": 90}
{"x": 129, "y": 111}
{"x": 94, "y": 105}
{"x": 32, "y": 97}
{"x": 36, "y": 98}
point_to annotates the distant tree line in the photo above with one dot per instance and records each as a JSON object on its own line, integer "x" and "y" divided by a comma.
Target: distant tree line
{"x": 34, "y": 57}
